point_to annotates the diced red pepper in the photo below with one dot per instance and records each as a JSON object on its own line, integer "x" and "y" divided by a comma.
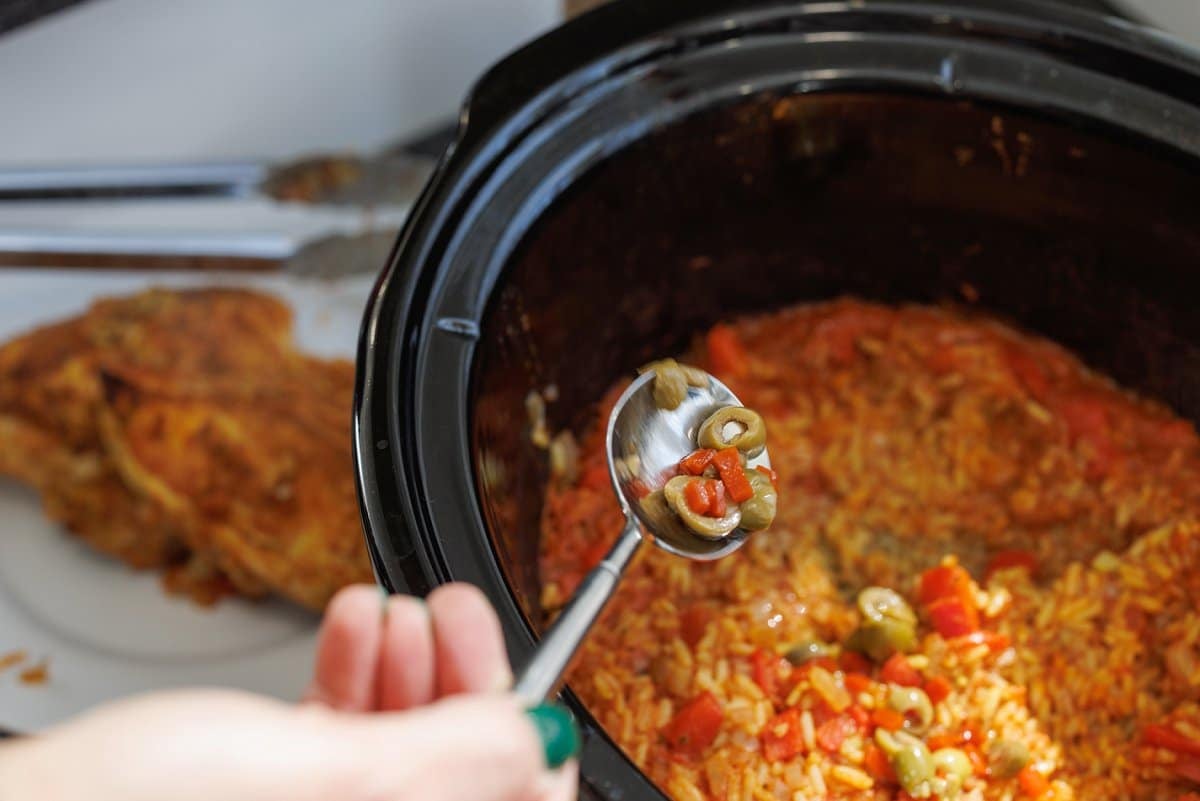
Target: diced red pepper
{"x": 765, "y": 668}
{"x": 860, "y": 716}
{"x": 886, "y": 718}
{"x": 694, "y": 463}
{"x": 950, "y": 618}
{"x": 946, "y": 581}
{"x": 695, "y": 725}
{"x": 937, "y": 742}
{"x": 1003, "y": 560}
{"x": 937, "y": 689}
{"x": 857, "y": 682}
{"x": 878, "y": 765}
{"x": 782, "y": 737}
{"x": 716, "y": 491}
{"x": 1033, "y": 784}
{"x": 833, "y": 732}
{"x": 729, "y": 465}
{"x": 898, "y": 670}
{"x": 698, "y": 496}
{"x": 769, "y": 473}
{"x": 1162, "y": 736}
{"x": 692, "y": 624}
{"x": 725, "y": 352}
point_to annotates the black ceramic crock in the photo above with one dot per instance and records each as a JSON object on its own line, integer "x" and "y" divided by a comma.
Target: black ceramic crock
{"x": 652, "y": 167}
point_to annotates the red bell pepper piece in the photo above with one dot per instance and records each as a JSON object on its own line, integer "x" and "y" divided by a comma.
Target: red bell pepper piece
{"x": 898, "y": 670}
{"x": 698, "y": 496}
{"x": 729, "y": 465}
{"x": 833, "y": 732}
{"x": 951, "y": 618}
{"x": 694, "y": 463}
{"x": 769, "y": 473}
{"x": 946, "y": 581}
{"x": 695, "y": 725}
{"x": 1033, "y": 784}
{"x": 716, "y": 491}
{"x": 782, "y": 738}
{"x": 938, "y": 689}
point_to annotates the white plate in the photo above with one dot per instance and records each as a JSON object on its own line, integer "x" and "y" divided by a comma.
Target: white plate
{"x": 109, "y": 631}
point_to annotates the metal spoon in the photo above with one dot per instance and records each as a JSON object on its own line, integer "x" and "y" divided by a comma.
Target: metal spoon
{"x": 645, "y": 443}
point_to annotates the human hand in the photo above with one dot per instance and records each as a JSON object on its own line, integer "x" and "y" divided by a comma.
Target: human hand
{"x": 407, "y": 702}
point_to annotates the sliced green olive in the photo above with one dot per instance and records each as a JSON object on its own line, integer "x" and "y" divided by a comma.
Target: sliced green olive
{"x": 670, "y": 384}
{"x": 734, "y": 426}
{"x": 713, "y": 528}
{"x": 758, "y": 512}
{"x": 657, "y": 511}
{"x": 889, "y": 624}
{"x": 910, "y": 758}
{"x": 878, "y": 604}
{"x": 953, "y": 768}
{"x": 1007, "y": 757}
{"x": 914, "y": 704}
{"x": 806, "y": 651}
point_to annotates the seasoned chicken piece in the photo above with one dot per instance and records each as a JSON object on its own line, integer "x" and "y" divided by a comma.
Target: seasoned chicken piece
{"x": 182, "y": 430}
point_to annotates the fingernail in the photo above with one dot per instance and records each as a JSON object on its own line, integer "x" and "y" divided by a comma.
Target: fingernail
{"x": 557, "y": 730}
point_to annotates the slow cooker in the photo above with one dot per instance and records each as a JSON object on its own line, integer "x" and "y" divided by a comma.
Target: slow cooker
{"x": 652, "y": 167}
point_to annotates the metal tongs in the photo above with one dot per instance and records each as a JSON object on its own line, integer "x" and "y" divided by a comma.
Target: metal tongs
{"x": 350, "y": 208}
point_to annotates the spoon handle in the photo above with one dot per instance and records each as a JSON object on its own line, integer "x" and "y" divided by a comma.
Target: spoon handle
{"x": 554, "y": 652}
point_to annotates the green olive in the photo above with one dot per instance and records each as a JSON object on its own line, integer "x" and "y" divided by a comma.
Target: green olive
{"x": 758, "y": 511}
{"x": 806, "y": 651}
{"x": 953, "y": 769}
{"x": 670, "y": 384}
{"x": 914, "y": 704}
{"x": 889, "y": 624}
{"x": 713, "y": 528}
{"x": 734, "y": 426}
{"x": 910, "y": 759}
{"x": 1007, "y": 757}
{"x": 657, "y": 511}
{"x": 878, "y": 604}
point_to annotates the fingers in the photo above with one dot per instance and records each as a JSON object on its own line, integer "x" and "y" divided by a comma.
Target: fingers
{"x": 465, "y": 748}
{"x": 559, "y": 785}
{"x": 348, "y": 651}
{"x": 468, "y": 644}
{"x": 406, "y": 674}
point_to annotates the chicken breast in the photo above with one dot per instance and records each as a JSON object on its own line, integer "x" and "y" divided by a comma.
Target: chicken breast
{"x": 182, "y": 430}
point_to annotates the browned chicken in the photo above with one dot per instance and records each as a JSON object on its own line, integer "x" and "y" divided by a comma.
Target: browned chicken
{"x": 182, "y": 430}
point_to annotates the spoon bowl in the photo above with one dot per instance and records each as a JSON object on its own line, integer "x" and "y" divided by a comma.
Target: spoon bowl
{"x": 645, "y": 444}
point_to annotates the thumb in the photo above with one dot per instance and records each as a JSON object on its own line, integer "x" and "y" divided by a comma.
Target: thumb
{"x": 463, "y": 748}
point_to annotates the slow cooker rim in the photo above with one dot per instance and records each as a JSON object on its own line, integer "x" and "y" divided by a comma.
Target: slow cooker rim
{"x": 386, "y": 444}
